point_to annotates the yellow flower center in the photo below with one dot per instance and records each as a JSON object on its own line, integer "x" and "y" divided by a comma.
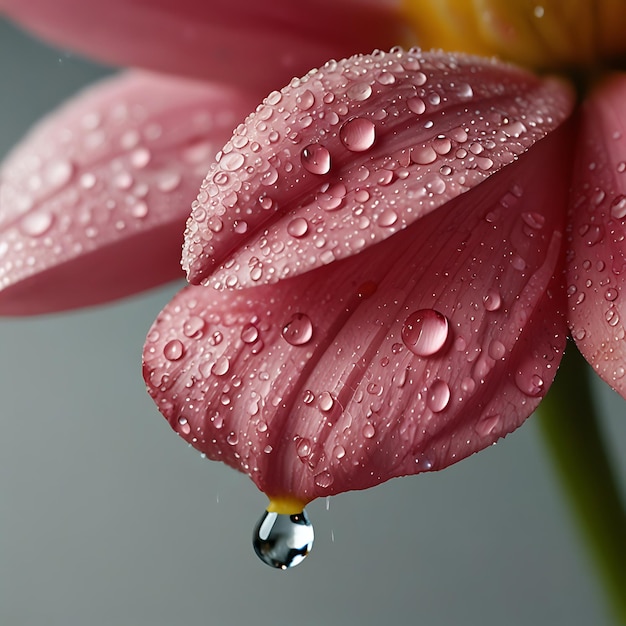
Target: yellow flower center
{"x": 548, "y": 34}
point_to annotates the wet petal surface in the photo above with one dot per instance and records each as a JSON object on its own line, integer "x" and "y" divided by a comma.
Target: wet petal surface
{"x": 597, "y": 262}
{"x": 93, "y": 202}
{"x": 355, "y": 152}
{"x": 405, "y": 358}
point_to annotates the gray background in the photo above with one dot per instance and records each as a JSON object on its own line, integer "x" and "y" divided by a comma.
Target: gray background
{"x": 107, "y": 518}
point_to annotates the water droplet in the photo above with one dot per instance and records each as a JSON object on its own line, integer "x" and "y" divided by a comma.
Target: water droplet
{"x": 438, "y": 396}
{"x": 492, "y": 301}
{"x": 358, "y": 134}
{"x": 249, "y": 333}
{"x": 193, "y": 327}
{"x": 316, "y": 159}
{"x": 359, "y": 91}
{"x": 283, "y": 541}
{"x": 416, "y": 105}
{"x": 306, "y": 100}
{"x": 303, "y": 447}
{"x": 183, "y": 426}
{"x": 425, "y": 332}
{"x": 324, "y": 479}
{"x": 298, "y": 330}
{"x": 232, "y": 161}
{"x": 618, "y": 207}
{"x": 368, "y": 430}
{"x": 326, "y": 401}
{"x": 298, "y": 227}
{"x": 339, "y": 451}
{"x": 173, "y": 350}
{"x": 37, "y": 224}
{"x": 221, "y": 366}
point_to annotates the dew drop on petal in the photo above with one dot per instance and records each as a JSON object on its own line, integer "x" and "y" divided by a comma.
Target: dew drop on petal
{"x": 492, "y": 300}
{"x": 173, "y": 350}
{"x": 298, "y": 227}
{"x": 193, "y": 327}
{"x": 183, "y": 426}
{"x": 283, "y": 541}
{"x": 368, "y": 430}
{"x": 316, "y": 159}
{"x": 37, "y": 224}
{"x": 438, "y": 396}
{"x": 425, "y": 332}
{"x": 303, "y": 447}
{"x": 249, "y": 333}
{"x": 298, "y": 330}
{"x": 232, "y": 162}
{"x": 358, "y": 134}
{"x": 221, "y": 366}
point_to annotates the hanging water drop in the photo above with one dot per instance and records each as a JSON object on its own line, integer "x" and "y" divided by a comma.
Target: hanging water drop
{"x": 283, "y": 541}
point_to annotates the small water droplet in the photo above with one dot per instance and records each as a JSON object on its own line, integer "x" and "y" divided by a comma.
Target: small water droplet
{"x": 492, "y": 301}
{"x": 618, "y": 207}
{"x": 283, "y": 541}
{"x": 324, "y": 479}
{"x": 232, "y": 162}
{"x": 326, "y": 401}
{"x": 358, "y": 134}
{"x": 305, "y": 100}
{"x": 303, "y": 447}
{"x": 298, "y": 227}
{"x": 37, "y": 224}
{"x": 359, "y": 91}
{"x": 221, "y": 366}
{"x": 316, "y": 159}
{"x": 183, "y": 426}
{"x": 368, "y": 430}
{"x": 173, "y": 350}
{"x": 249, "y": 333}
{"x": 193, "y": 327}
{"x": 298, "y": 330}
{"x": 416, "y": 105}
{"x": 438, "y": 396}
{"x": 425, "y": 332}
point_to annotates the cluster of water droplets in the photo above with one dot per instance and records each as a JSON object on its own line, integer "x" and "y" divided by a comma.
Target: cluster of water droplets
{"x": 350, "y": 154}
{"x": 596, "y": 266}
{"x": 103, "y": 169}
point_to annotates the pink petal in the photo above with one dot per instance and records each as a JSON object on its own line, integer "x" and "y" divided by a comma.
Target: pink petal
{"x": 597, "y": 262}
{"x": 351, "y": 154}
{"x": 315, "y": 385}
{"x": 355, "y": 152}
{"x": 93, "y": 202}
{"x": 254, "y": 44}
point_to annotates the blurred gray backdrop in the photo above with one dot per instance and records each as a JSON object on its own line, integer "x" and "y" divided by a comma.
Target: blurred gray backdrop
{"x": 107, "y": 518}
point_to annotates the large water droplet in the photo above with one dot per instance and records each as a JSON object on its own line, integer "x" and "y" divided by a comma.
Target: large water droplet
{"x": 425, "y": 332}
{"x": 358, "y": 134}
{"x": 283, "y": 541}
{"x": 298, "y": 330}
{"x": 316, "y": 159}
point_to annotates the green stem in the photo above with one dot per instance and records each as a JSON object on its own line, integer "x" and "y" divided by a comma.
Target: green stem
{"x": 570, "y": 428}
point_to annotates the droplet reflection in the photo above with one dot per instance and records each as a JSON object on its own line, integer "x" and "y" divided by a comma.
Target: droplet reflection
{"x": 283, "y": 541}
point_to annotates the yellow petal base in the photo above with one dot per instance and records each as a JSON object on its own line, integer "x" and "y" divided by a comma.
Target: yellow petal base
{"x": 548, "y": 34}
{"x": 285, "y": 505}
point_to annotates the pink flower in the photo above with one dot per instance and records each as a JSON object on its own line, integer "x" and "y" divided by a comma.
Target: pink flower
{"x": 378, "y": 252}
